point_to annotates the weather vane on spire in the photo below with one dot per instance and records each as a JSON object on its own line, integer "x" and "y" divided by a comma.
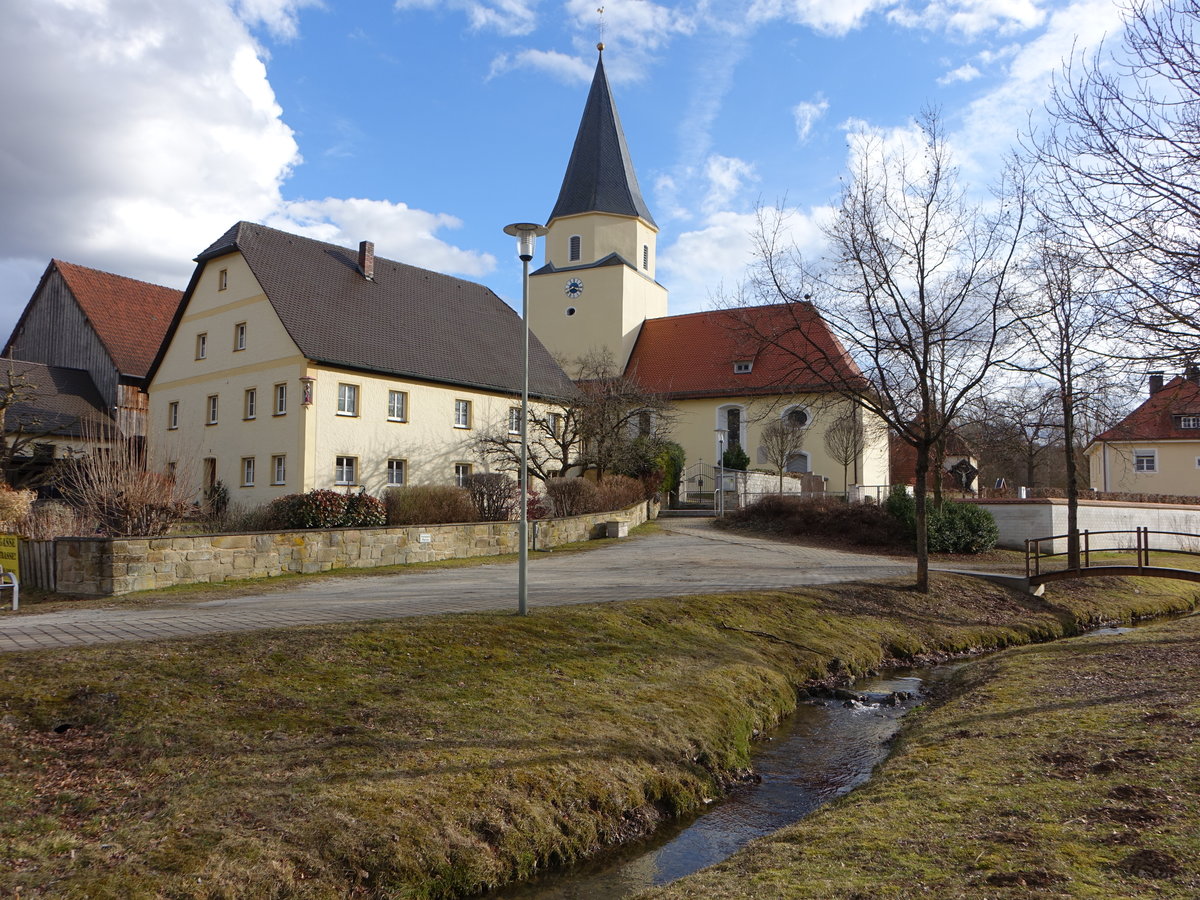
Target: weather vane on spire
{"x": 600, "y": 13}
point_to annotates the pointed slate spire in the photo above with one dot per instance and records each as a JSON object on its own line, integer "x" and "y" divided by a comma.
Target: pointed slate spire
{"x": 600, "y": 176}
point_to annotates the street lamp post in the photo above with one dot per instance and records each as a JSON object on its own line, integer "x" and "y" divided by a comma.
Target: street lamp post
{"x": 720, "y": 497}
{"x": 526, "y": 234}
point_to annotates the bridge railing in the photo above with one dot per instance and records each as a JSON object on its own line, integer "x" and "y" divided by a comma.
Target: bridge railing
{"x": 1139, "y": 541}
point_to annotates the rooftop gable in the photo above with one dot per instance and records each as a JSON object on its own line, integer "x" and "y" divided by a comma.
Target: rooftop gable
{"x": 600, "y": 176}
{"x": 788, "y": 347}
{"x": 1158, "y": 418}
{"x": 405, "y": 321}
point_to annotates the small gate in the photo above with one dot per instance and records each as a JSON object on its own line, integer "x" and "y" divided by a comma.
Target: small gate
{"x": 37, "y": 564}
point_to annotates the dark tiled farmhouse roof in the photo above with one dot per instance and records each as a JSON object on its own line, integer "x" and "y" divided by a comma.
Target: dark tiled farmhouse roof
{"x": 1158, "y": 418}
{"x": 407, "y": 322}
{"x": 600, "y": 176}
{"x": 789, "y": 346}
{"x": 130, "y": 317}
{"x": 57, "y": 400}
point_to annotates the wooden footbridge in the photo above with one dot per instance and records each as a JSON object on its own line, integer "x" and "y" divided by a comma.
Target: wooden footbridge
{"x": 1106, "y": 553}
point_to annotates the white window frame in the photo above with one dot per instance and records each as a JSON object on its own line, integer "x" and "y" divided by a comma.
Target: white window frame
{"x": 247, "y": 471}
{"x": 172, "y": 415}
{"x": 279, "y": 468}
{"x": 462, "y": 471}
{"x": 556, "y": 424}
{"x": 514, "y": 420}
{"x": 213, "y": 406}
{"x": 281, "y": 399}
{"x": 345, "y": 470}
{"x": 223, "y": 280}
{"x": 347, "y": 402}
{"x": 239, "y": 336}
{"x": 1189, "y": 422}
{"x": 1141, "y": 456}
{"x": 250, "y": 404}
{"x": 392, "y": 414}
{"x": 744, "y": 367}
{"x": 202, "y": 345}
{"x": 575, "y": 248}
{"x": 462, "y": 413}
{"x": 395, "y": 465}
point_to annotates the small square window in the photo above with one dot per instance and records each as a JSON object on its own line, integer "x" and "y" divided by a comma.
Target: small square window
{"x": 462, "y": 413}
{"x": 247, "y": 471}
{"x": 1145, "y": 460}
{"x": 280, "y": 399}
{"x": 278, "y": 469}
{"x": 741, "y": 368}
{"x": 251, "y": 405}
{"x": 173, "y": 414}
{"x": 202, "y": 345}
{"x": 222, "y": 279}
{"x": 347, "y": 400}
{"x": 462, "y": 471}
{"x": 212, "y": 409}
{"x": 346, "y": 470}
{"x": 397, "y": 410}
{"x": 514, "y": 420}
{"x": 239, "y": 336}
{"x": 395, "y": 471}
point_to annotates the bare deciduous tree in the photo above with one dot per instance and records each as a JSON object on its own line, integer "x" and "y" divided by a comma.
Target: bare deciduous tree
{"x": 915, "y": 289}
{"x": 1120, "y": 169}
{"x": 781, "y": 439}
{"x": 845, "y": 441}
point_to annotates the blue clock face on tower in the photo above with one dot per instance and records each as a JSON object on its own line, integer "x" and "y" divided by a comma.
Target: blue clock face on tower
{"x": 574, "y": 288}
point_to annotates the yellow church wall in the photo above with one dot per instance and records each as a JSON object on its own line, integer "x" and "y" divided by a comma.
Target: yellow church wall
{"x": 1177, "y": 467}
{"x": 601, "y": 234}
{"x": 697, "y": 420}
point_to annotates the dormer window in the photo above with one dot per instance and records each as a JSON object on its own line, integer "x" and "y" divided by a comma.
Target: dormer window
{"x": 742, "y": 368}
{"x": 1189, "y": 421}
{"x": 574, "y": 248}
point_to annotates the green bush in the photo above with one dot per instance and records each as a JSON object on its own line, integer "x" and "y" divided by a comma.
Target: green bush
{"x": 962, "y": 528}
{"x": 317, "y": 509}
{"x": 428, "y": 504}
{"x": 671, "y": 459}
{"x": 364, "y": 511}
{"x": 735, "y": 458}
{"x": 955, "y": 528}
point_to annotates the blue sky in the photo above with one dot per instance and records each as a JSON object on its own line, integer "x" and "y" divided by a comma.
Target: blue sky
{"x": 137, "y": 131}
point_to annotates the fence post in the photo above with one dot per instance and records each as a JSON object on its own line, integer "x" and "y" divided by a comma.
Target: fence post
{"x": 1087, "y": 549}
{"x": 1027, "y": 558}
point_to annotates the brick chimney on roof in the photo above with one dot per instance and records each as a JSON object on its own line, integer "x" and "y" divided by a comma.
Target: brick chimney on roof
{"x": 1156, "y": 382}
{"x": 366, "y": 259}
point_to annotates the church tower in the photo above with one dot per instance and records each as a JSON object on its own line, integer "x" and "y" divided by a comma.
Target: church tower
{"x": 597, "y": 285}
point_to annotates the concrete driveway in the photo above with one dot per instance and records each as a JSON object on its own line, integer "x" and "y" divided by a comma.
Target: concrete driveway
{"x": 688, "y": 556}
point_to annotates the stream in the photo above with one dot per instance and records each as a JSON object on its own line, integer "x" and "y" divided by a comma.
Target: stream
{"x": 823, "y": 750}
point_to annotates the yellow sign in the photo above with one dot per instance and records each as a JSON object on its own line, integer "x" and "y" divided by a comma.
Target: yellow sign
{"x": 8, "y": 554}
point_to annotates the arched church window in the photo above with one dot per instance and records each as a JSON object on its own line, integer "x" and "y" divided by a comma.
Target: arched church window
{"x": 575, "y": 248}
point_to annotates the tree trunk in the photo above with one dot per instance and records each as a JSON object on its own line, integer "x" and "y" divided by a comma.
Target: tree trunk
{"x": 922, "y": 518}
{"x": 1068, "y": 401}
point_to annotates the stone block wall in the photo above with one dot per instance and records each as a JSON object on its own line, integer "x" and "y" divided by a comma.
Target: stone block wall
{"x": 106, "y": 566}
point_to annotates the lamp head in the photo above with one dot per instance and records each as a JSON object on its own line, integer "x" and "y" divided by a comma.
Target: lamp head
{"x": 526, "y": 234}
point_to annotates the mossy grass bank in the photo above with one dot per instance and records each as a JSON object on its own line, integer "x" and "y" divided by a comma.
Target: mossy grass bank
{"x": 434, "y": 757}
{"x": 1063, "y": 770}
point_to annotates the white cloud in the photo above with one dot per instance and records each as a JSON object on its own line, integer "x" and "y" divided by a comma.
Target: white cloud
{"x": 806, "y": 115}
{"x": 824, "y": 16}
{"x": 710, "y": 261}
{"x": 971, "y": 18}
{"x": 280, "y": 17}
{"x": 965, "y": 72}
{"x": 508, "y": 17}
{"x": 399, "y": 232}
{"x": 144, "y": 143}
{"x": 726, "y": 177}
{"x": 568, "y": 69}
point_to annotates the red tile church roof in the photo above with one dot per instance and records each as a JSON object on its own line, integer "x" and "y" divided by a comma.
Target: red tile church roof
{"x": 790, "y": 347}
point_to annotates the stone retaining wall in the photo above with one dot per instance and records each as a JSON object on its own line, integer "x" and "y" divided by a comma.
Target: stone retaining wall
{"x": 1022, "y": 519}
{"x": 106, "y": 566}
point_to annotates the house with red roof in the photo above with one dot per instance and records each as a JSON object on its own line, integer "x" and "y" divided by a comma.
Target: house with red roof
{"x": 728, "y": 373}
{"x": 1156, "y": 448}
{"x": 85, "y": 342}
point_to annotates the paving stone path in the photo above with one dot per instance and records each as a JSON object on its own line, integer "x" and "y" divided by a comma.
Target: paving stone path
{"x": 687, "y": 556}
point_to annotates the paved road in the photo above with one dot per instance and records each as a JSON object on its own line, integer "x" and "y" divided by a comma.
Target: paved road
{"x": 688, "y": 556}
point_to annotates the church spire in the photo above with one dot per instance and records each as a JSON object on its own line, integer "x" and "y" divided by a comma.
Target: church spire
{"x": 600, "y": 176}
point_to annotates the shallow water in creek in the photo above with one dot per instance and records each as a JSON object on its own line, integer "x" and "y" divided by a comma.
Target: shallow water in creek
{"x": 822, "y": 751}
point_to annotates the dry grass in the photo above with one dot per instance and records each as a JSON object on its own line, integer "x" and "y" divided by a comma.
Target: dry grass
{"x": 434, "y": 757}
{"x": 1062, "y": 770}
